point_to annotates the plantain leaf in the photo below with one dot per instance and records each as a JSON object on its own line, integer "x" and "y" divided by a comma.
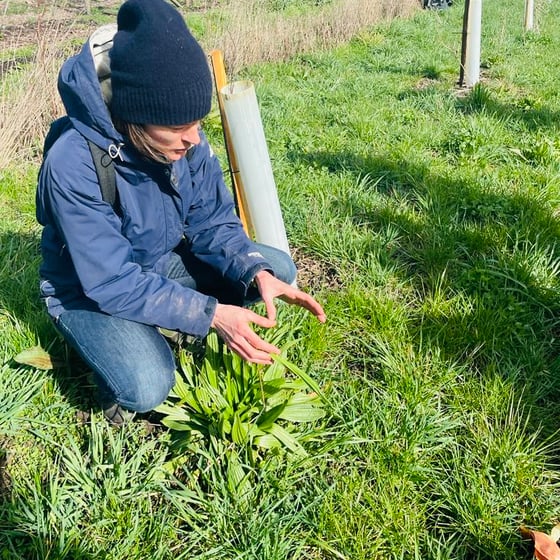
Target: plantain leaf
{"x": 284, "y": 437}
{"x": 300, "y": 398}
{"x": 239, "y": 482}
{"x": 310, "y": 382}
{"x": 214, "y": 397}
{"x": 267, "y": 418}
{"x": 232, "y": 393}
{"x": 181, "y": 390}
{"x": 272, "y": 387}
{"x": 176, "y": 425}
{"x": 274, "y": 371}
{"x": 302, "y": 413}
{"x": 185, "y": 361}
{"x": 236, "y": 473}
{"x": 295, "y": 385}
{"x": 239, "y": 430}
{"x": 267, "y": 441}
{"x": 224, "y": 427}
{"x": 236, "y": 363}
{"x": 230, "y": 404}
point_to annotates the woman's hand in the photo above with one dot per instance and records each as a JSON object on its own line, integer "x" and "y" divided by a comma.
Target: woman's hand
{"x": 233, "y": 323}
{"x": 270, "y": 287}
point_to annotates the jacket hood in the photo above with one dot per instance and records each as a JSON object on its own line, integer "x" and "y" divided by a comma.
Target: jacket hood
{"x": 84, "y": 86}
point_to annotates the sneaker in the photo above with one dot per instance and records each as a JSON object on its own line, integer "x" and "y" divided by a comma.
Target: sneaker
{"x": 116, "y": 415}
{"x": 175, "y": 337}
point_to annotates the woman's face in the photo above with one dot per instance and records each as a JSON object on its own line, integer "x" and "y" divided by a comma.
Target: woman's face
{"x": 174, "y": 141}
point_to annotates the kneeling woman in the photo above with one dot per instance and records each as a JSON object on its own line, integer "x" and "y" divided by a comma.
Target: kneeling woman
{"x": 174, "y": 255}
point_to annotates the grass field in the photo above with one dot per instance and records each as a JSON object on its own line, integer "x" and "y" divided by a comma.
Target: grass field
{"x": 426, "y": 219}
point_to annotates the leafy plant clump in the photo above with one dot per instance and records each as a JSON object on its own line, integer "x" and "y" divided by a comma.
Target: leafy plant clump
{"x": 244, "y": 412}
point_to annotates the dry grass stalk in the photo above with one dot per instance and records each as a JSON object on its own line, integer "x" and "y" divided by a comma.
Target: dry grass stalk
{"x": 251, "y": 34}
{"x": 29, "y": 99}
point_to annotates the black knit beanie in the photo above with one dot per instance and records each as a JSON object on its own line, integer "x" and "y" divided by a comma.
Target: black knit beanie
{"x": 159, "y": 73}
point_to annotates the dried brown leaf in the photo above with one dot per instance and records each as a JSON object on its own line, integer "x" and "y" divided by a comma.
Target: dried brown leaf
{"x": 38, "y": 358}
{"x": 545, "y": 546}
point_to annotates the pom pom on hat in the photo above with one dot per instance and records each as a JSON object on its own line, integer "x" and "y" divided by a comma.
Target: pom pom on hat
{"x": 159, "y": 72}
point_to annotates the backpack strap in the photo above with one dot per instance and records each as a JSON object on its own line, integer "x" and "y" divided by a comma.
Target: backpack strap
{"x": 104, "y": 165}
{"x": 105, "y": 170}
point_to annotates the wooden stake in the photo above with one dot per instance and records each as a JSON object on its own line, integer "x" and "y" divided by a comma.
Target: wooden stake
{"x": 220, "y": 80}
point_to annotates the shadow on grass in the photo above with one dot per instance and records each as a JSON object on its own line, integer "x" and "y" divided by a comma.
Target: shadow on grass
{"x": 20, "y": 303}
{"x": 471, "y": 256}
{"x": 526, "y": 111}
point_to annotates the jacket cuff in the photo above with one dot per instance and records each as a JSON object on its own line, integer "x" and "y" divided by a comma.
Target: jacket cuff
{"x": 201, "y": 327}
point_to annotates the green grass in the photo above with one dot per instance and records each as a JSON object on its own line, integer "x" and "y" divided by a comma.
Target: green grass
{"x": 435, "y": 212}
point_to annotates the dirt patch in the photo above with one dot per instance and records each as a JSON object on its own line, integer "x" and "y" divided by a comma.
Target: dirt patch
{"x": 314, "y": 274}
{"x": 27, "y": 28}
{"x": 5, "y": 480}
{"x": 69, "y": 18}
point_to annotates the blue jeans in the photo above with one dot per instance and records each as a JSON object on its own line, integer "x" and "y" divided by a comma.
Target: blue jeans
{"x": 132, "y": 363}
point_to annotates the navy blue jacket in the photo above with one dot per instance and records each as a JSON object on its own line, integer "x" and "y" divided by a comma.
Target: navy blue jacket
{"x": 94, "y": 259}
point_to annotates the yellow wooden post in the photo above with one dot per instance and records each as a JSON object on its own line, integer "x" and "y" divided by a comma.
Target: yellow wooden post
{"x": 220, "y": 80}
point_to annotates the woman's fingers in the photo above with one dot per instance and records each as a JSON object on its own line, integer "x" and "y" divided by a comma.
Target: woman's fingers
{"x": 234, "y": 327}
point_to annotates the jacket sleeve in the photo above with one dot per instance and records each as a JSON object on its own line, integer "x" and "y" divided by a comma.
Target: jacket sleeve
{"x": 69, "y": 200}
{"x": 212, "y": 228}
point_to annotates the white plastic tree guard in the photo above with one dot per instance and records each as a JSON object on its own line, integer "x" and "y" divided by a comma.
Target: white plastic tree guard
{"x": 529, "y": 15}
{"x": 249, "y": 144}
{"x": 472, "y": 52}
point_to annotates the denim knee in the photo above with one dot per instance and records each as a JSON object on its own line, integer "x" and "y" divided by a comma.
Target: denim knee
{"x": 150, "y": 389}
{"x": 132, "y": 363}
{"x": 282, "y": 264}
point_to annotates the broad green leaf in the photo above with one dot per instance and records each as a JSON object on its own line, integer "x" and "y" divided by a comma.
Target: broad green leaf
{"x": 212, "y": 357}
{"x": 186, "y": 362}
{"x": 301, "y": 413}
{"x": 300, "y": 397}
{"x": 214, "y": 398}
{"x": 274, "y": 371}
{"x": 295, "y": 385}
{"x": 236, "y": 474}
{"x": 181, "y": 389}
{"x": 238, "y": 479}
{"x": 287, "y": 439}
{"x": 232, "y": 394}
{"x": 237, "y": 365}
{"x": 239, "y": 430}
{"x": 193, "y": 403}
{"x": 177, "y": 412}
{"x": 224, "y": 427}
{"x": 203, "y": 399}
{"x": 175, "y": 425}
{"x": 311, "y": 383}
{"x": 267, "y": 418}
{"x": 211, "y": 377}
{"x": 272, "y": 387}
{"x": 267, "y": 441}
